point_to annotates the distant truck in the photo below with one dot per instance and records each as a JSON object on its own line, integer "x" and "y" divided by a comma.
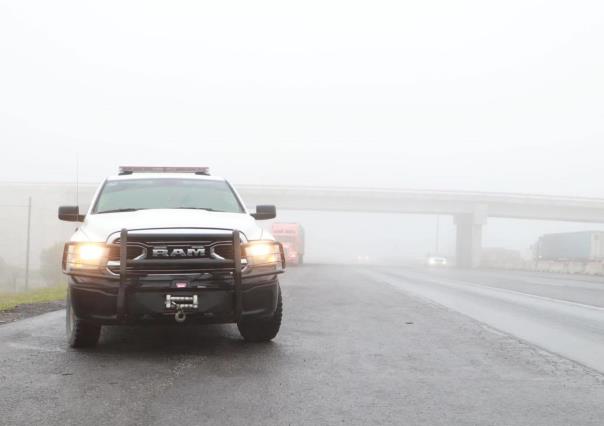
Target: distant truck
{"x": 291, "y": 236}
{"x": 577, "y": 246}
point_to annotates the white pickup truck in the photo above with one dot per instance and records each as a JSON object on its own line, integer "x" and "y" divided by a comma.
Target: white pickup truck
{"x": 171, "y": 244}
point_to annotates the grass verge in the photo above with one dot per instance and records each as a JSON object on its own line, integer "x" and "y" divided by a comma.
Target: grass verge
{"x": 39, "y": 295}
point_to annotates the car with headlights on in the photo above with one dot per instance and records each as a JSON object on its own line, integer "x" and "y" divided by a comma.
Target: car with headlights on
{"x": 171, "y": 245}
{"x": 437, "y": 261}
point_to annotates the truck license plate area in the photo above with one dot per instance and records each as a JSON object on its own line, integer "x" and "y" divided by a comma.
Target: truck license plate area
{"x": 180, "y": 303}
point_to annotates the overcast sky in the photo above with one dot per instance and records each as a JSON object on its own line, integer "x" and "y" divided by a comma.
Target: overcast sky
{"x": 474, "y": 95}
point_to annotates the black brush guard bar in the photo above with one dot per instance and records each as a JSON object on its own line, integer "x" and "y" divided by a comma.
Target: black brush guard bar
{"x": 233, "y": 266}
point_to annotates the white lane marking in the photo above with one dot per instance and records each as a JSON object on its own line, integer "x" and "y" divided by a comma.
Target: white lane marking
{"x": 574, "y": 332}
{"x": 461, "y": 283}
{"x": 561, "y": 281}
{"x": 592, "y": 314}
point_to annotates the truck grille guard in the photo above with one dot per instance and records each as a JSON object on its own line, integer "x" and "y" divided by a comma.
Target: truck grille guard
{"x": 234, "y": 266}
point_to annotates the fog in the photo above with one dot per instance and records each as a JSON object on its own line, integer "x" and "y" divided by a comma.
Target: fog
{"x": 467, "y": 95}
{"x": 411, "y": 229}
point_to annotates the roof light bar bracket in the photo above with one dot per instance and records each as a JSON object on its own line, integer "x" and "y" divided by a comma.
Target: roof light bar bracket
{"x": 128, "y": 170}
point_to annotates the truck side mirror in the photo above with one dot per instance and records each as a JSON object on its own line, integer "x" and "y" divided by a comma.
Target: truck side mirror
{"x": 264, "y": 212}
{"x": 71, "y": 214}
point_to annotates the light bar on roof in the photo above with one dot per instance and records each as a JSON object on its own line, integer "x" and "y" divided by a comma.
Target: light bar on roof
{"x": 127, "y": 170}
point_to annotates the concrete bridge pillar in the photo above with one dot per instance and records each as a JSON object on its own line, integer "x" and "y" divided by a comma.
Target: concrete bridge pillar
{"x": 469, "y": 237}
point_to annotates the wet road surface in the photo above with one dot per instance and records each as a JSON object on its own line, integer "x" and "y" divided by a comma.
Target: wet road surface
{"x": 563, "y": 314}
{"x": 359, "y": 345}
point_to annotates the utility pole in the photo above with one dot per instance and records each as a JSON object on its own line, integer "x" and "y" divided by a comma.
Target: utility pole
{"x": 437, "y": 242}
{"x": 77, "y": 180}
{"x": 27, "y": 244}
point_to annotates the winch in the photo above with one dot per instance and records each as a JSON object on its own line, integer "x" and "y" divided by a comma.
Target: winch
{"x": 181, "y": 303}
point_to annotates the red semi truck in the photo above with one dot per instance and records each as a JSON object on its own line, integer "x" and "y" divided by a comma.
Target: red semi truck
{"x": 291, "y": 235}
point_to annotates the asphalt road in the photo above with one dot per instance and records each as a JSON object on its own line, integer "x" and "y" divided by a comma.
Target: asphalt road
{"x": 359, "y": 345}
{"x": 563, "y": 314}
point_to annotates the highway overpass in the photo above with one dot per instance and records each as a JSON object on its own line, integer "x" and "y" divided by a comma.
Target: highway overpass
{"x": 471, "y": 210}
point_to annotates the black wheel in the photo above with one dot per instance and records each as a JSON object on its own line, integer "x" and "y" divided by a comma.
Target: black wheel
{"x": 80, "y": 334}
{"x": 264, "y": 329}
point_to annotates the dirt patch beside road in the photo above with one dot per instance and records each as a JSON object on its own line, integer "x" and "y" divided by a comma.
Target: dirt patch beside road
{"x": 29, "y": 310}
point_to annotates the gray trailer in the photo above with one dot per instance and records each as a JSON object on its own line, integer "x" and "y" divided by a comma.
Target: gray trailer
{"x": 579, "y": 246}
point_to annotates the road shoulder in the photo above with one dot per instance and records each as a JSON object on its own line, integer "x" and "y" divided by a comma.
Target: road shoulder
{"x": 28, "y": 310}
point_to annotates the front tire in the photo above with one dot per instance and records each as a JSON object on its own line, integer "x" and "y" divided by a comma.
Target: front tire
{"x": 80, "y": 334}
{"x": 262, "y": 329}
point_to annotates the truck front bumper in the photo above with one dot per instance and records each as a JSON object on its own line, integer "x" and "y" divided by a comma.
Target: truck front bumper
{"x": 224, "y": 293}
{"x": 96, "y": 300}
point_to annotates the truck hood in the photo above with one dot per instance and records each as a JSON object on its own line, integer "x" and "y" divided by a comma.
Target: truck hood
{"x": 98, "y": 227}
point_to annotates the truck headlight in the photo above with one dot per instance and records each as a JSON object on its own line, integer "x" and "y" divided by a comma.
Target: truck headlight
{"x": 263, "y": 253}
{"x": 84, "y": 256}
{"x": 91, "y": 253}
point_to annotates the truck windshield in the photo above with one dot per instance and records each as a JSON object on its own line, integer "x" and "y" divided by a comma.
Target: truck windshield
{"x": 166, "y": 193}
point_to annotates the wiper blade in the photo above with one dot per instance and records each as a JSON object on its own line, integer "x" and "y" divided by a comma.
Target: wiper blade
{"x": 119, "y": 210}
{"x": 200, "y": 208}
